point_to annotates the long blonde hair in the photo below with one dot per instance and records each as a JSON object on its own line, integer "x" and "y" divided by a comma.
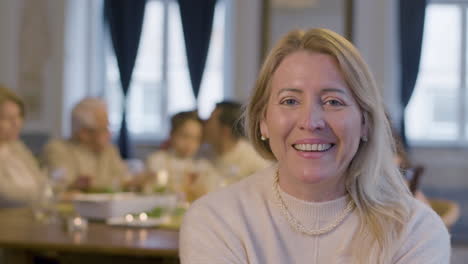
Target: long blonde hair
{"x": 373, "y": 180}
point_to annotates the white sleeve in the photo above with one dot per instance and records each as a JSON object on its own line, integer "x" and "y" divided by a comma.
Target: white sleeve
{"x": 57, "y": 156}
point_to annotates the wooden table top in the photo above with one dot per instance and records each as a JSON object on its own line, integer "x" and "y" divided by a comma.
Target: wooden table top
{"x": 19, "y": 230}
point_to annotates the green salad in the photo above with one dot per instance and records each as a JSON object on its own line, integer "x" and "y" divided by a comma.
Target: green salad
{"x": 99, "y": 190}
{"x": 159, "y": 189}
{"x": 157, "y": 212}
{"x": 160, "y": 211}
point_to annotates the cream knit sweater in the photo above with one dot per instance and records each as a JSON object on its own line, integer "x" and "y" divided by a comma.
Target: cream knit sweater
{"x": 238, "y": 163}
{"x": 243, "y": 224}
{"x": 21, "y": 179}
{"x": 106, "y": 169}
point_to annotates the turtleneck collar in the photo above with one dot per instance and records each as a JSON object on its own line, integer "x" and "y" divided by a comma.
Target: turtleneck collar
{"x": 310, "y": 214}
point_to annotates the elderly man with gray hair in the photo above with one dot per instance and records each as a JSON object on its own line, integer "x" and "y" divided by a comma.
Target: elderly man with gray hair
{"x": 88, "y": 158}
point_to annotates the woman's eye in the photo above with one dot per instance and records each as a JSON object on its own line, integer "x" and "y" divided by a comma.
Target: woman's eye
{"x": 289, "y": 102}
{"x": 333, "y": 102}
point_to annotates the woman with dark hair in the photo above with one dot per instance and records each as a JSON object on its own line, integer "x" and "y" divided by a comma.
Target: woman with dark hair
{"x": 409, "y": 173}
{"x": 186, "y": 174}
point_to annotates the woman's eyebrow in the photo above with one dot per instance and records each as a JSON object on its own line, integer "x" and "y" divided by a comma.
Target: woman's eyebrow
{"x": 334, "y": 90}
{"x": 294, "y": 90}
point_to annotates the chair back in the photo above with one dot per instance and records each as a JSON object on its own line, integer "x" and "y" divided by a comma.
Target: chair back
{"x": 448, "y": 210}
{"x": 413, "y": 176}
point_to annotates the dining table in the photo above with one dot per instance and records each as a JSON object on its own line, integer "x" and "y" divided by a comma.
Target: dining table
{"x": 23, "y": 240}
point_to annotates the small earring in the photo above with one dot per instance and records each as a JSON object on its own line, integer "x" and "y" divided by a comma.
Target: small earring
{"x": 262, "y": 138}
{"x": 364, "y": 138}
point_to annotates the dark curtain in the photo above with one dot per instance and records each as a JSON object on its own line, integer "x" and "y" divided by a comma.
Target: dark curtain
{"x": 125, "y": 20}
{"x": 197, "y": 21}
{"x": 411, "y": 27}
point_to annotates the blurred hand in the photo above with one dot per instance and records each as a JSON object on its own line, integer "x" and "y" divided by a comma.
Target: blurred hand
{"x": 136, "y": 183}
{"x": 192, "y": 177}
{"x": 82, "y": 183}
{"x": 69, "y": 195}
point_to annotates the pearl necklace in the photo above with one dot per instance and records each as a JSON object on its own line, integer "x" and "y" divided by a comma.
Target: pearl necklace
{"x": 298, "y": 226}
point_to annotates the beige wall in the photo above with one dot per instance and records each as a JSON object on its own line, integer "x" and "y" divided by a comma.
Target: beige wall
{"x": 325, "y": 13}
{"x": 244, "y": 42}
{"x": 49, "y": 120}
{"x": 8, "y": 52}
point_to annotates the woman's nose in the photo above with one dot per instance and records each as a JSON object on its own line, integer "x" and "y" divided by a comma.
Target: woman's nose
{"x": 312, "y": 118}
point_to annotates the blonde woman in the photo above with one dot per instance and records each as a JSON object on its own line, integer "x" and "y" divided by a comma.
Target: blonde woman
{"x": 20, "y": 177}
{"x": 334, "y": 195}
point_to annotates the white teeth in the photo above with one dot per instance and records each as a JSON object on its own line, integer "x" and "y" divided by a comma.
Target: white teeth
{"x": 312, "y": 147}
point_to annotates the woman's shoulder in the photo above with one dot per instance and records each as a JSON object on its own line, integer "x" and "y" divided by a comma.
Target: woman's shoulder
{"x": 424, "y": 232}
{"x": 425, "y": 229}
{"x": 19, "y": 146}
{"x": 23, "y": 151}
{"x": 250, "y": 190}
{"x": 423, "y": 218}
{"x": 223, "y": 218}
{"x": 422, "y": 214}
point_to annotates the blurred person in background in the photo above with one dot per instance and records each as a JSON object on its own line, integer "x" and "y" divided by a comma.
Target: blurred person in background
{"x": 403, "y": 162}
{"x": 20, "y": 176}
{"x": 88, "y": 159}
{"x": 232, "y": 155}
{"x": 176, "y": 164}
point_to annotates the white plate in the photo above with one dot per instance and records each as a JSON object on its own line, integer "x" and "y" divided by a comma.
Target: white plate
{"x": 150, "y": 222}
{"x": 104, "y": 206}
{"x": 100, "y": 197}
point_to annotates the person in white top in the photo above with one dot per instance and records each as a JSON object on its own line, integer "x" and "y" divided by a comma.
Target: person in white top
{"x": 233, "y": 156}
{"x": 20, "y": 177}
{"x": 88, "y": 159}
{"x": 177, "y": 161}
{"x": 334, "y": 194}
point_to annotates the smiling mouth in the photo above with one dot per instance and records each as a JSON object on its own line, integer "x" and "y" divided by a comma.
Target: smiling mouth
{"x": 312, "y": 147}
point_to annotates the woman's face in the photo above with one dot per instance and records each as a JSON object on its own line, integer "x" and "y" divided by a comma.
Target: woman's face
{"x": 98, "y": 137}
{"x": 313, "y": 122}
{"x": 11, "y": 121}
{"x": 187, "y": 138}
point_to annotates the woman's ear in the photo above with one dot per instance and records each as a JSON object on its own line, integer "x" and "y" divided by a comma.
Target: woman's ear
{"x": 264, "y": 129}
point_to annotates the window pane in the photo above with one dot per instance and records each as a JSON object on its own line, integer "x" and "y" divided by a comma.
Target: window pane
{"x": 144, "y": 98}
{"x": 181, "y": 96}
{"x": 145, "y": 94}
{"x": 432, "y": 112}
{"x": 113, "y": 89}
{"x": 180, "y": 92}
